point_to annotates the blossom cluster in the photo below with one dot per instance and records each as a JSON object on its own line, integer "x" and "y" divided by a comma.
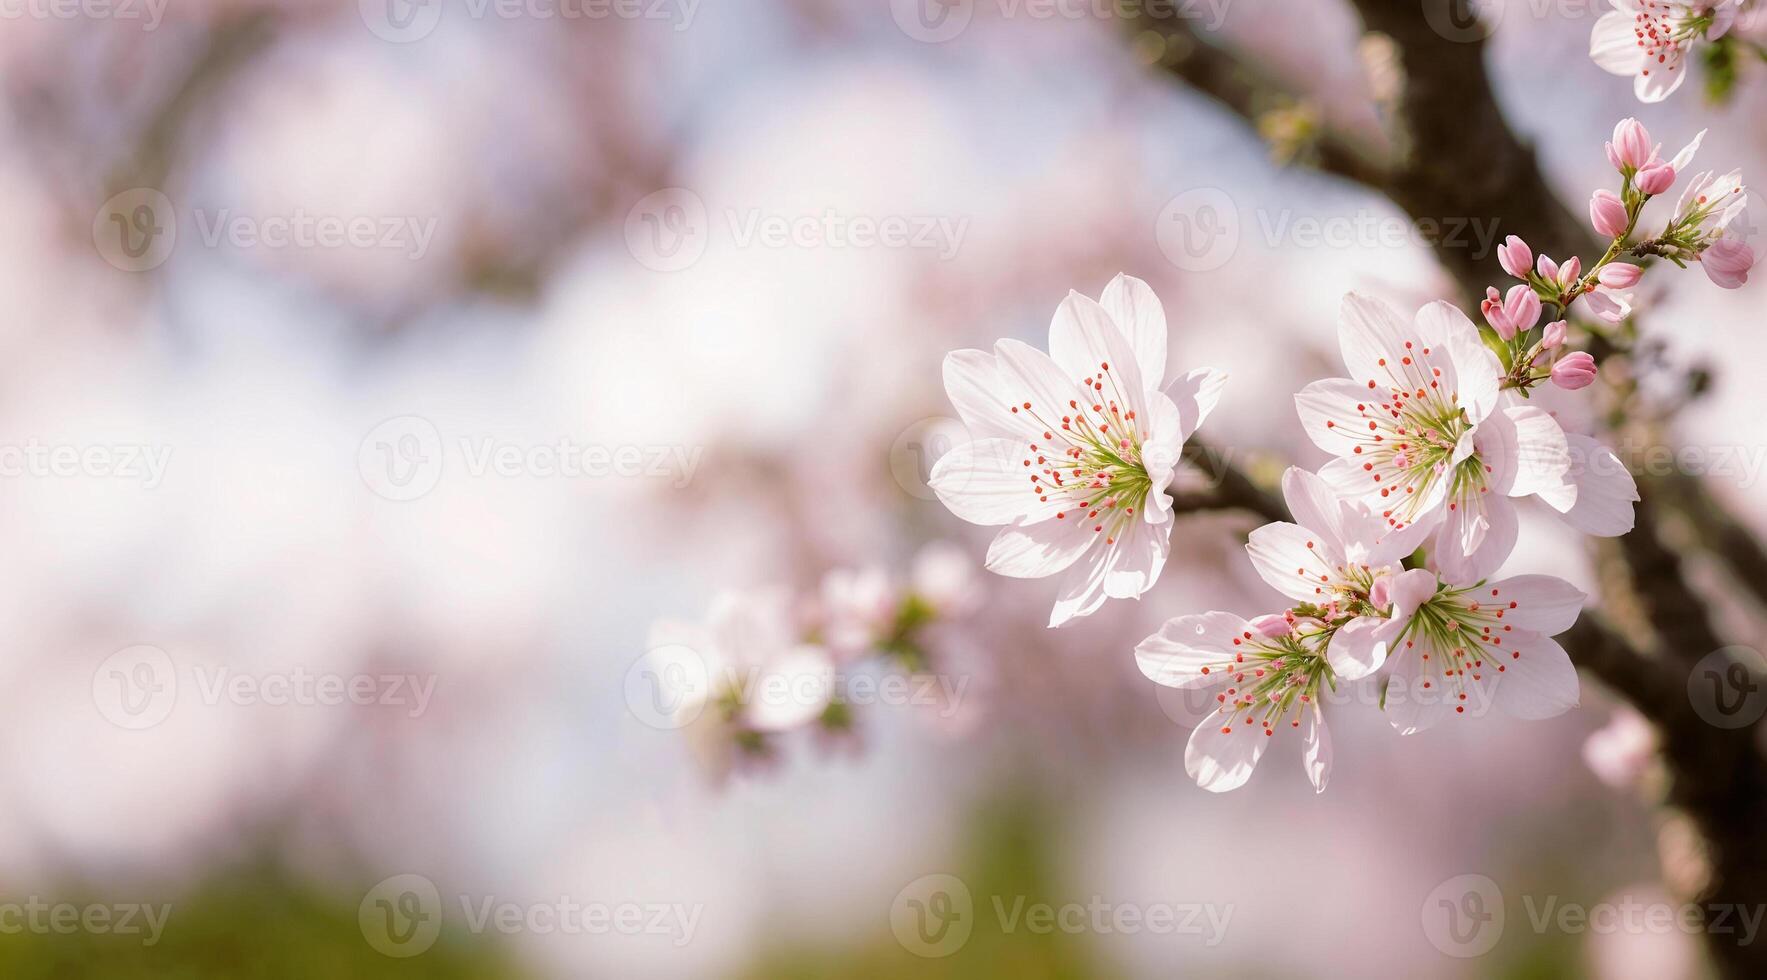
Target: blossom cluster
{"x": 1699, "y": 230}
{"x": 1390, "y": 563}
{"x": 769, "y": 661}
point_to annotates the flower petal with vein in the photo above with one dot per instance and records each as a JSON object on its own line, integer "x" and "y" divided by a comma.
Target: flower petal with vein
{"x": 1071, "y": 451}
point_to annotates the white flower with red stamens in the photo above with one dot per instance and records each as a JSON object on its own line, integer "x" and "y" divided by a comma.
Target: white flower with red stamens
{"x": 1073, "y": 450}
{"x": 1271, "y": 674}
{"x": 1421, "y": 436}
{"x": 1337, "y": 560}
{"x": 1468, "y": 647}
{"x": 1651, "y": 40}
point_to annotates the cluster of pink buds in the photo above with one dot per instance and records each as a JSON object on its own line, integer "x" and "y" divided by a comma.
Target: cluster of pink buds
{"x": 1697, "y": 232}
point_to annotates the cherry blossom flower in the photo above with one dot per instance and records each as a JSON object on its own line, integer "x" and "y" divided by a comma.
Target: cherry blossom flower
{"x": 1481, "y": 645}
{"x": 1421, "y": 436}
{"x": 1651, "y": 40}
{"x": 1072, "y": 451}
{"x": 1267, "y": 677}
{"x": 1336, "y": 559}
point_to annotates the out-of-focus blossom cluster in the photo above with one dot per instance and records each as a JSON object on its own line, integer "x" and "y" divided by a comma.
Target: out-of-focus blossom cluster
{"x": 770, "y": 661}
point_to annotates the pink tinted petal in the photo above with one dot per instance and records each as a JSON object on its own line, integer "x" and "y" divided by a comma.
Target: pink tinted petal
{"x": 1541, "y": 603}
{"x": 1313, "y": 504}
{"x": 1177, "y": 655}
{"x": 1359, "y": 647}
{"x": 1474, "y": 541}
{"x": 1537, "y": 680}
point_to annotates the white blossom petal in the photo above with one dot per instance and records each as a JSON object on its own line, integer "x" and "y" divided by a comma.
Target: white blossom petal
{"x": 972, "y": 382}
{"x": 1196, "y": 395}
{"x": 1599, "y": 491}
{"x": 1539, "y": 603}
{"x": 1038, "y": 550}
{"x": 1177, "y": 655}
{"x": 1316, "y": 747}
{"x": 1140, "y": 316}
{"x": 1614, "y": 46}
{"x": 1536, "y": 679}
{"x": 983, "y": 482}
{"x": 1295, "y": 561}
{"x": 1139, "y": 555}
{"x": 1359, "y": 647}
{"x": 1221, "y": 754}
{"x": 1089, "y": 349}
{"x": 1535, "y": 450}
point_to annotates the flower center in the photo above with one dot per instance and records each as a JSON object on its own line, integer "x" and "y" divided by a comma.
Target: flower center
{"x": 1088, "y": 460}
{"x": 1662, "y": 29}
{"x": 1270, "y": 678}
{"x": 1412, "y": 431}
{"x": 1461, "y": 634}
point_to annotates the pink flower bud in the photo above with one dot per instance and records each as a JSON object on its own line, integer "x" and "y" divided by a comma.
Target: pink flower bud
{"x": 1574, "y": 370}
{"x": 1657, "y": 179}
{"x": 1492, "y": 307}
{"x": 1631, "y": 145}
{"x": 1570, "y": 272}
{"x": 1608, "y": 214}
{"x": 1547, "y": 268}
{"x": 1272, "y": 625}
{"x": 1727, "y": 262}
{"x": 1619, "y": 275}
{"x": 1515, "y": 256}
{"x": 1554, "y": 335}
{"x": 1521, "y": 306}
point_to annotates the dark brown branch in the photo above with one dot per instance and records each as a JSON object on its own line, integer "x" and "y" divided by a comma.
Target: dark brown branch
{"x": 1461, "y": 160}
